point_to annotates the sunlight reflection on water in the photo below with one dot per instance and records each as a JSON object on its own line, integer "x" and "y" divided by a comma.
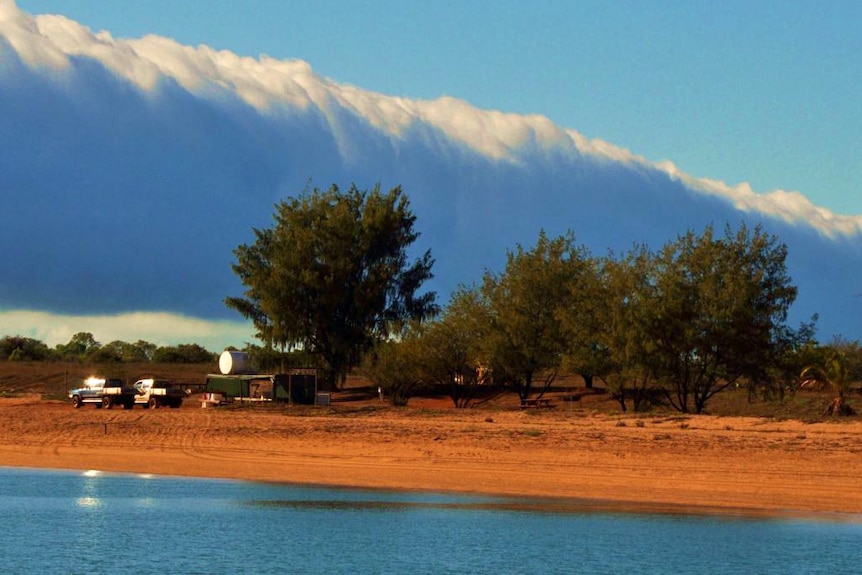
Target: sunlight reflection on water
{"x": 88, "y": 502}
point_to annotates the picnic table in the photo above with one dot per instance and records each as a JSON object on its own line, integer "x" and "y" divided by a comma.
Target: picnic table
{"x": 536, "y": 402}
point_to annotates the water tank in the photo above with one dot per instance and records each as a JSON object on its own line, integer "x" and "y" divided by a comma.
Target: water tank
{"x": 233, "y": 362}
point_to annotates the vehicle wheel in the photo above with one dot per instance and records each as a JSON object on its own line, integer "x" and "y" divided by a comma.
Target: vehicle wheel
{"x": 107, "y": 403}
{"x": 76, "y": 401}
{"x": 153, "y": 403}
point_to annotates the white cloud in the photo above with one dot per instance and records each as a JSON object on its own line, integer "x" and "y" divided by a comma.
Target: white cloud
{"x": 158, "y": 328}
{"x": 790, "y": 206}
{"x": 267, "y": 84}
{"x": 22, "y": 33}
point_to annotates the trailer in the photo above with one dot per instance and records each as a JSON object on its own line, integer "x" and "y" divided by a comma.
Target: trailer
{"x": 297, "y": 386}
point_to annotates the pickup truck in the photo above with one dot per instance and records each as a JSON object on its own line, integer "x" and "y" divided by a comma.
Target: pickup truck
{"x": 103, "y": 393}
{"x": 156, "y": 393}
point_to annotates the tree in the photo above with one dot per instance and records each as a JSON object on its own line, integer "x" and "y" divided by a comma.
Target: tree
{"x": 721, "y": 309}
{"x": 526, "y": 338}
{"x": 583, "y": 315}
{"x": 393, "y": 367}
{"x": 139, "y": 351}
{"x": 105, "y": 354}
{"x": 183, "y": 353}
{"x": 791, "y": 351}
{"x": 121, "y": 351}
{"x": 627, "y": 306}
{"x": 332, "y": 275}
{"x": 450, "y": 348}
{"x": 833, "y": 371}
{"x": 20, "y": 348}
{"x": 852, "y": 351}
{"x": 79, "y": 347}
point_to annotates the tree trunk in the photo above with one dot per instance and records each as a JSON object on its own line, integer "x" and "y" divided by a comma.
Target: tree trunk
{"x": 621, "y": 399}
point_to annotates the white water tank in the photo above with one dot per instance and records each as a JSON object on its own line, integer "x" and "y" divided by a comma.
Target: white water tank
{"x": 233, "y": 362}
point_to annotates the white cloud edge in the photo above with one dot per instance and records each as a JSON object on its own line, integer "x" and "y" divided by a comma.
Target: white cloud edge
{"x": 160, "y": 328}
{"x": 266, "y": 83}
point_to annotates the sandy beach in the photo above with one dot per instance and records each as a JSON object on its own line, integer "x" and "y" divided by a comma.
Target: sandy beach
{"x": 680, "y": 463}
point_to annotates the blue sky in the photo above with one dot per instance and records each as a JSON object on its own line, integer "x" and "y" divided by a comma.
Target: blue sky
{"x": 760, "y": 92}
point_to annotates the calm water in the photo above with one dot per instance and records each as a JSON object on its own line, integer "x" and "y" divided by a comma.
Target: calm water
{"x": 87, "y": 523}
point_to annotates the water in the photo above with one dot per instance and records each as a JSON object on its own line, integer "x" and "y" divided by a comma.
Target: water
{"x": 91, "y": 522}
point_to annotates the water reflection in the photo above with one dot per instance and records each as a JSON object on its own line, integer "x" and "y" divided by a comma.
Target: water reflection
{"x": 88, "y": 502}
{"x": 90, "y": 499}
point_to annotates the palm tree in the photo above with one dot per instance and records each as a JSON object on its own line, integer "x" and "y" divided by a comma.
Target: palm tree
{"x": 833, "y": 373}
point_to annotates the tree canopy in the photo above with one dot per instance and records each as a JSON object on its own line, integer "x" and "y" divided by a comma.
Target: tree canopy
{"x": 526, "y": 338}
{"x": 720, "y": 310}
{"x": 333, "y": 274}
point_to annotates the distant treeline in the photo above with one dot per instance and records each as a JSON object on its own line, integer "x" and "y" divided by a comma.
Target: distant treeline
{"x": 84, "y": 347}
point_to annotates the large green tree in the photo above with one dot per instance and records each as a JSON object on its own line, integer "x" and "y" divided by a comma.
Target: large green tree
{"x": 451, "y": 348}
{"x": 583, "y": 314}
{"x": 333, "y": 275}
{"x": 527, "y": 339}
{"x": 720, "y": 312}
{"x": 626, "y": 307}
{"x": 80, "y": 346}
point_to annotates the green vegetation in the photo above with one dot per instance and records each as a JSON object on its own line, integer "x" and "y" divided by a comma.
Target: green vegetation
{"x": 704, "y": 314}
{"x": 83, "y": 347}
{"x": 332, "y": 276}
{"x": 717, "y": 314}
{"x": 525, "y": 338}
{"x": 450, "y": 351}
{"x": 835, "y": 366}
{"x": 18, "y": 348}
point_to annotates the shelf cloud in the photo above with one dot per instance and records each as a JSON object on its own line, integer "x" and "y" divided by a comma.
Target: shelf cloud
{"x": 131, "y": 168}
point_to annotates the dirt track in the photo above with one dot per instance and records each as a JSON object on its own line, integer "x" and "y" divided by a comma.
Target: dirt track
{"x": 702, "y": 463}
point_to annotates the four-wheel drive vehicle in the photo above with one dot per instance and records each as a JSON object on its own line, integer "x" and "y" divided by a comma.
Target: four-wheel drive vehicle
{"x": 156, "y": 393}
{"x": 104, "y": 393}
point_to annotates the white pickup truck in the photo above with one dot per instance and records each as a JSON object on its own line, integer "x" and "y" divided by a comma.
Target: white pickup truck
{"x": 157, "y": 393}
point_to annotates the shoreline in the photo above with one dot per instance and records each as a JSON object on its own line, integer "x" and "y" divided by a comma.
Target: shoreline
{"x": 701, "y": 465}
{"x": 516, "y": 503}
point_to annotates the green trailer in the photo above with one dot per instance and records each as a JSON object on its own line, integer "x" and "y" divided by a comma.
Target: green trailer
{"x": 297, "y": 386}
